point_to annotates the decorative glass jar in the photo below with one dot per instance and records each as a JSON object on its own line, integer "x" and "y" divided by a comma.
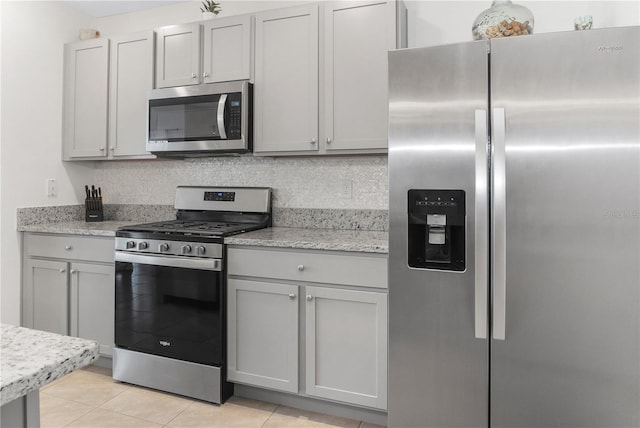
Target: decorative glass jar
{"x": 503, "y": 19}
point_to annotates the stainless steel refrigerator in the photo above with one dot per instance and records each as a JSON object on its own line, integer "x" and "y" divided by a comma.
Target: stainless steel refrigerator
{"x": 514, "y": 233}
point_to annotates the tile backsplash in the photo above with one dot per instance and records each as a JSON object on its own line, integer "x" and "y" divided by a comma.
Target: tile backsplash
{"x": 297, "y": 182}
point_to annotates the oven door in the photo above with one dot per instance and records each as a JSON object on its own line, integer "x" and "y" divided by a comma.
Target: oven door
{"x": 170, "y": 306}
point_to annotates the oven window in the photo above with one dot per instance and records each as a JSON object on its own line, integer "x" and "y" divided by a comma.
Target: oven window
{"x": 184, "y": 119}
{"x": 172, "y": 312}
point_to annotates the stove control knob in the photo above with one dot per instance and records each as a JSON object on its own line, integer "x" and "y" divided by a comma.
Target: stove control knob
{"x": 130, "y": 244}
{"x": 201, "y": 250}
{"x": 143, "y": 245}
{"x": 186, "y": 249}
{"x": 164, "y": 247}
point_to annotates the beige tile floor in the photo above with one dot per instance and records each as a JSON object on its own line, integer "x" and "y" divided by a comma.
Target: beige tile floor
{"x": 89, "y": 398}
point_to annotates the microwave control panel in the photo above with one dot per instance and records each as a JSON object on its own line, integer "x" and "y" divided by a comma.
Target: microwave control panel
{"x": 234, "y": 120}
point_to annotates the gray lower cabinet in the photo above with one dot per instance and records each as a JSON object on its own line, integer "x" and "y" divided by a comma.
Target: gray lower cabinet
{"x": 68, "y": 286}
{"x": 309, "y": 322}
{"x": 263, "y": 346}
{"x": 346, "y": 345}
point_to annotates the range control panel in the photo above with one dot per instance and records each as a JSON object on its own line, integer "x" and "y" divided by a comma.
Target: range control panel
{"x": 220, "y": 196}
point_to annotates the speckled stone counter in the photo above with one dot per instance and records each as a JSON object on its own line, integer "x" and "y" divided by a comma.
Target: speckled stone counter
{"x": 101, "y": 228}
{"x": 33, "y": 358}
{"x": 315, "y": 239}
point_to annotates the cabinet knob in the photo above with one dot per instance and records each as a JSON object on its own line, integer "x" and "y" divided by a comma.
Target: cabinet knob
{"x": 313, "y": 141}
{"x": 63, "y": 270}
{"x": 205, "y": 74}
{"x": 102, "y": 149}
{"x": 113, "y": 149}
{"x": 309, "y": 297}
{"x": 300, "y": 268}
{"x": 72, "y": 271}
{"x": 292, "y": 296}
{"x": 194, "y": 76}
{"x": 68, "y": 247}
{"x": 328, "y": 140}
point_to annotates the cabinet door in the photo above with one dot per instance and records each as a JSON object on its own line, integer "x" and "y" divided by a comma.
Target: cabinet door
{"x": 227, "y": 50}
{"x": 85, "y": 100}
{"x": 263, "y": 334}
{"x": 131, "y": 76}
{"x": 286, "y": 80}
{"x": 178, "y": 55}
{"x": 93, "y": 304}
{"x": 346, "y": 346}
{"x": 358, "y": 37}
{"x": 46, "y": 296}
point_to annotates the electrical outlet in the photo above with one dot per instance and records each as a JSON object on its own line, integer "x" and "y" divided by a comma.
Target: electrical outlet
{"x": 52, "y": 187}
{"x": 345, "y": 189}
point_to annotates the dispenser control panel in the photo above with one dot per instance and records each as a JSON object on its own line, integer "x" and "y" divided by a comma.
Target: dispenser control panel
{"x": 436, "y": 229}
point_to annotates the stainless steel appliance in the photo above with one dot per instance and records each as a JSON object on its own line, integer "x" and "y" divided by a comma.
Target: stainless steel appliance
{"x": 170, "y": 325}
{"x": 200, "y": 120}
{"x": 514, "y": 236}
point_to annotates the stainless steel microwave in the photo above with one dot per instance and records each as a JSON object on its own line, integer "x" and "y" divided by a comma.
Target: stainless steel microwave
{"x": 200, "y": 120}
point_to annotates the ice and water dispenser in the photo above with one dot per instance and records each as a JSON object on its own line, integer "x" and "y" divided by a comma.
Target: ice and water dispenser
{"x": 437, "y": 229}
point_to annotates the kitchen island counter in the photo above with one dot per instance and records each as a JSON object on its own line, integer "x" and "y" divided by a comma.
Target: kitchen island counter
{"x": 33, "y": 358}
{"x": 366, "y": 241}
{"x": 30, "y": 360}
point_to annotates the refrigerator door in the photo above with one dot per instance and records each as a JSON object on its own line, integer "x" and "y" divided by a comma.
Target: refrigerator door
{"x": 438, "y": 368}
{"x": 566, "y": 153}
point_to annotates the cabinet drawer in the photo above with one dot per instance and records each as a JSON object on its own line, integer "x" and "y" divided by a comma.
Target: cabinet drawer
{"x": 358, "y": 269}
{"x": 73, "y": 247}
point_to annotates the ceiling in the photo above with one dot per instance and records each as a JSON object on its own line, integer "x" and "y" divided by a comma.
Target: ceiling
{"x": 101, "y": 8}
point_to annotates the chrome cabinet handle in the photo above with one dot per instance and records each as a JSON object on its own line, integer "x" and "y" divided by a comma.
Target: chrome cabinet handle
{"x": 68, "y": 247}
{"x": 112, "y": 148}
{"x": 481, "y": 225}
{"x": 63, "y": 270}
{"x": 313, "y": 141}
{"x": 309, "y": 297}
{"x": 328, "y": 140}
{"x": 292, "y": 296}
{"x": 300, "y": 268}
{"x": 499, "y": 225}
{"x": 102, "y": 149}
{"x": 72, "y": 271}
{"x": 194, "y": 76}
{"x": 205, "y": 74}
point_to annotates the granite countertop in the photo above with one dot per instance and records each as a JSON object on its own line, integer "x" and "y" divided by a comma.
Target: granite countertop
{"x": 99, "y": 228}
{"x": 366, "y": 241}
{"x": 33, "y": 358}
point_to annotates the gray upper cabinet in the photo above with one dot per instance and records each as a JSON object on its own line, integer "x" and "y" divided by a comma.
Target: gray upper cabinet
{"x": 331, "y": 100}
{"x": 86, "y": 99}
{"x": 106, "y": 84}
{"x": 131, "y": 76}
{"x": 227, "y": 49}
{"x": 218, "y": 50}
{"x": 358, "y": 36}
{"x": 286, "y": 81}
{"x": 178, "y": 55}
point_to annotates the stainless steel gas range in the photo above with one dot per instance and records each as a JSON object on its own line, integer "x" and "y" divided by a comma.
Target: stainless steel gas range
{"x": 170, "y": 315}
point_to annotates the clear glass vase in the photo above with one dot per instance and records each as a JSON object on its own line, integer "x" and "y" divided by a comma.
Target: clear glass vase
{"x": 503, "y": 19}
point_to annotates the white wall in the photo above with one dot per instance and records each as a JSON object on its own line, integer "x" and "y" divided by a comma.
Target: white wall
{"x": 444, "y": 22}
{"x": 33, "y": 34}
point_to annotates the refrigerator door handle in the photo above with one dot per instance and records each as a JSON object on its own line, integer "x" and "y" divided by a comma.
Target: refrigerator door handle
{"x": 499, "y": 225}
{"x": 481, "y": 225}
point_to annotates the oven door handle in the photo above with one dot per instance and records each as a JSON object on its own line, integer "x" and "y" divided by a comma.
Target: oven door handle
{"x": 178, "y": 262}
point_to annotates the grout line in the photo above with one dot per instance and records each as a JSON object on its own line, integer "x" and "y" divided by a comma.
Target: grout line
{"x": 273, "y": 412}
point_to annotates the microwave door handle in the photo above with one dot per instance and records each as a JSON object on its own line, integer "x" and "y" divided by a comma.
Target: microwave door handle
{"x": 222, "y": 104}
